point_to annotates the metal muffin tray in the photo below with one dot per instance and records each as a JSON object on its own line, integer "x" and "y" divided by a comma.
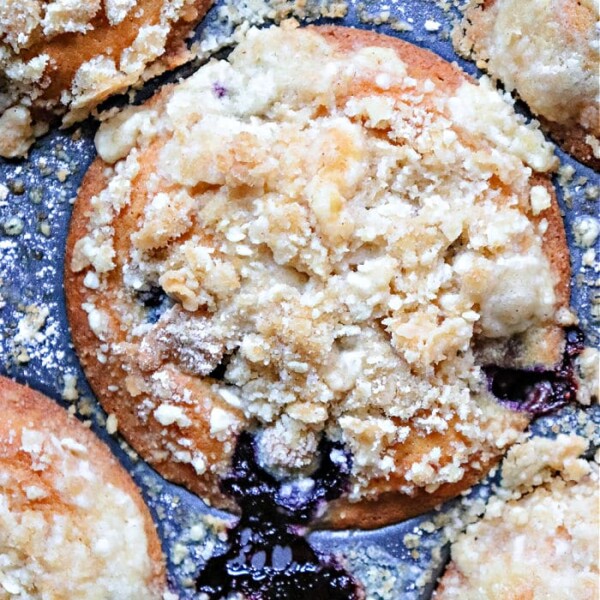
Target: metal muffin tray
{"x": 395, "y": 562}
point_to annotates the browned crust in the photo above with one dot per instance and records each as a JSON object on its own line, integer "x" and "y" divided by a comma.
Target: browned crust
{"x": 147, "y": 438}
{"x": 421, "y": 63}
{"x": 571, "y": 137}
{"x": 572, "y": 140}
{"x": 389, "y": 506}
{"x": 68, "y": 51}
{"x": 22, "y": 407}
{"x": 556, "y": 248}
{"x": 392, "y": 507}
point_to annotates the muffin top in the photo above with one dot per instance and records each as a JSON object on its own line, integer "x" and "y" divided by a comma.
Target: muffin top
{"x": 72, "y": 523}
{"x": 548, "y": 52}
{"x": 322, "y": 248}
{"x": 62, "y": 58}
{"x": 542, "y": 545}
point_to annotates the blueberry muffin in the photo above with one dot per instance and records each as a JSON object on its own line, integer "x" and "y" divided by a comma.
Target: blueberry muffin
{"x": 335, "y": 251}
{"x": 548, "y": 53}
{"x": 62, "y": 58}
{"x": 543, "y": 545}
{"x": 72, "y": 522}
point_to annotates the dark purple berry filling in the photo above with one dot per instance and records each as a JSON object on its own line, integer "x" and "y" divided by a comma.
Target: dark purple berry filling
{"x": 219, "y": 371}
{"x": 537, "y": 391}
{"x": 267, "y": 558}
{"x": 154, "y": 299}
{"x": 219, "y": 90}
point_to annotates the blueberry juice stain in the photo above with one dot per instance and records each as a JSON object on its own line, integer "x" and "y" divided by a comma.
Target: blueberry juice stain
{"x": 267, "y": 557}
{"x": 538, "y": 391}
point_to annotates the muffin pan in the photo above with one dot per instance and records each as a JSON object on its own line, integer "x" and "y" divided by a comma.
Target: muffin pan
{"x": 36, "y": 196}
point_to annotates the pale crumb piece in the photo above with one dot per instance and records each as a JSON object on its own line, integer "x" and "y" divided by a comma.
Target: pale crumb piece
{"x": 565, "y": 174}
{"x": 91, "y": 280}
{"x": 431, "y": 25}
{"x": 117, "y": 10}
{"x": 592, "y": 192}
{"x": 45, "y": 228}
{"x": 222, "y": 422}
{"x": 589, "y": 258}
{"x": 13, "y": 226}
{"x": 16, "y": 132}
{"x": 401, "y": 25}
{"x": 587, "y": 367}
{"x": 532, "y": 463}
{"x": 411, "y": 540}
{"x": 594, "y": 143}
{"x": 112, "y": 424}
{"x": 62, "y": 174}
{"x": 178, "y": 553}
{"x": 167, "y": 414}
{"x": 98, "y": 320}
{"x": 540, "y": 199}
{"x": 22, "y": 356}
{"x": 197, "y": 532}
{"x": 586, "y": 230}
{"x": 70, "y": 391}
{"x": 31, "y": 324}
{"x": 566, "y": 317}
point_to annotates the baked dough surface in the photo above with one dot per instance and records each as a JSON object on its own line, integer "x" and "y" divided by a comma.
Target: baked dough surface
{"x": 313, "y": 252}
{"x": 64, "y": 57}
{"x": 72, "y": 522}
{"x": 548, "y": 52}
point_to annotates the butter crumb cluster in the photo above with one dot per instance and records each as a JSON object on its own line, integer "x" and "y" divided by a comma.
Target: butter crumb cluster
{"x": 535, "y": 462}
{"x": 336, "y": 238}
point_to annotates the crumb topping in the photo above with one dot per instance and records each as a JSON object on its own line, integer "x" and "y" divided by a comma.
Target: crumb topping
{"x": 65, "y": 530}
{"x": 543, "y": 545}
{"x": 334, "y": 239}
{"x": 532, "y": 463}
{"x": 588, "y": 375}
{"x": 548, "y": 51}
{"x": 30, "y": 60}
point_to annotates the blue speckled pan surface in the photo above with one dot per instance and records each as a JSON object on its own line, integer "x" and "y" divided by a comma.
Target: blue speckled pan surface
{"x": 41, "y": 192}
